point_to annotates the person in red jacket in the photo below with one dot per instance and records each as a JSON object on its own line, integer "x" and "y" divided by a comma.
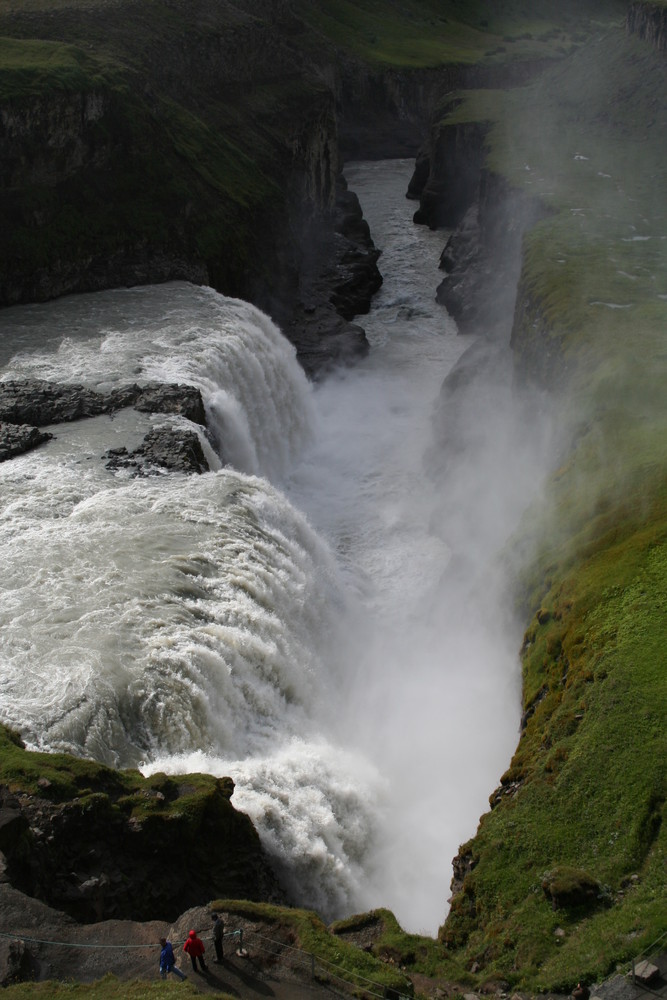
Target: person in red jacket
{"x": 194, "y": 946}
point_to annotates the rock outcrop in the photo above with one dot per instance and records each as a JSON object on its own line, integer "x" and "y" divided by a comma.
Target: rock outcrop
{"x": 482, "y": 258}
{"x": 163, "y": 450}
{"x": 98, "y": 844}
{"x": 29, "y": 404}
{"x": 40, "y": 403}
{"x": 649, "y": 21}
{"x": 16, "y": 439}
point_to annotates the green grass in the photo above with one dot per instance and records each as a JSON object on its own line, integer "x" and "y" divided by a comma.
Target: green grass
{"x": 308, "y": 933}
{"x": 29, "y": 67}
{"x": 432, "y": 33}
{"x": 586, "y": 787}
{"x": 108, "y": 988}
{"x": 61, "y": 777}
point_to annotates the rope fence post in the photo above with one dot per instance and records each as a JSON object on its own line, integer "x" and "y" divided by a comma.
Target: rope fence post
{"x": 312, "y": 966}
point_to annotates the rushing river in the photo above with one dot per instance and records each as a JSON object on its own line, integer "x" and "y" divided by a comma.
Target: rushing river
{"x": 287, "y": 618}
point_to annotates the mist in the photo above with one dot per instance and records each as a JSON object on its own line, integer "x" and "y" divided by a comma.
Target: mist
{"x": 418, "y": 488}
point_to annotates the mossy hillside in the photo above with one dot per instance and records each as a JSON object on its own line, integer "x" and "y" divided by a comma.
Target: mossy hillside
{"x": 102, "y": 820}
{"x": 585, "y": 792}
{"x": 428, "y": 33}
{"x": 586, "y": 787}
{"x": 59, "y": 777}
{"x": 413, "y": 952}
{"x": 305, "y": 930}
{"x": 29, "y": 66}
{"x": 191, "y": 177}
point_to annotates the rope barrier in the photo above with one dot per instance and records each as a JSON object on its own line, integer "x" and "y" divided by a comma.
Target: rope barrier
{"x": 326, "y": 965}
{"x": 313, "y": 960}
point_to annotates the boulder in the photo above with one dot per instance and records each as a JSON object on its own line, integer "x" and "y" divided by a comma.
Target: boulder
{"x": 571, "y": 888}
{"x": 166, "y": 448}
{"x": 16, "y": 439}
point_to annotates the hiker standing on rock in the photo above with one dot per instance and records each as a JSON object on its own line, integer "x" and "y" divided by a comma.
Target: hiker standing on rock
{"x": 168, "y": 961}
{"x": 218, "y": 934}
{"x": 194, "y": 947}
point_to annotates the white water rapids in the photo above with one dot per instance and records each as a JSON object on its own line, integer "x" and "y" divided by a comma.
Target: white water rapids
{"x": 286, "y": 619}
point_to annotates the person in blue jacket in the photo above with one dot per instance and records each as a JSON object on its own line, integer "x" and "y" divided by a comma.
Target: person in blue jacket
{"x": 168, "y": 961}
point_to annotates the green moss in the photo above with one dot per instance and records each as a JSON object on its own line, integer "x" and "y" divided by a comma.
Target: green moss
{"x": 310, "y": 934}
{"x": 93, "y": 787}
{"x": 586, "y": 787}
{"x": 433, "y": 33}
{"x": 108, "y": 988}
{"x": 30, "y": 67}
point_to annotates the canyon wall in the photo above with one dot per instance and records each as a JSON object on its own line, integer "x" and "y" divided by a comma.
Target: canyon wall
{"x": 649, "y": 22}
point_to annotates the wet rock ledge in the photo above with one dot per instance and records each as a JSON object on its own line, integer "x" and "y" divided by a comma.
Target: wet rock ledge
{"x": 28, "y": 405}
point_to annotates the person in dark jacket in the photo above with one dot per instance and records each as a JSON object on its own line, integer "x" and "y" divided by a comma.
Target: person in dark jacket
{"x": 168, "y": 961}
{"x": 218, "y": 935}
{"x": 194, "y": 946}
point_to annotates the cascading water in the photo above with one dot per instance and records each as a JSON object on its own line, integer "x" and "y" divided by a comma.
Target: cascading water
{"x": 287, "y": 618}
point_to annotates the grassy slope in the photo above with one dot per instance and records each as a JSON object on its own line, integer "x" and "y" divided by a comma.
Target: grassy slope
{"x": 418, "y": 33}
{"x": 587, "y": 785}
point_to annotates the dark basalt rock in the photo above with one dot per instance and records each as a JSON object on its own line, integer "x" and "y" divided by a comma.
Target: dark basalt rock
{"x": 155, "y": 397}
{"x": 167, "y": 448}
{"x": 40, "y": 403}
{"x": 27, "y": 405}
{"x": 648, "y": 21}
{"x": 337, "y": 280}
{"x": 103, "y": 855}
{"x": 16, "y": 439}
{"x": 420, "y": 175}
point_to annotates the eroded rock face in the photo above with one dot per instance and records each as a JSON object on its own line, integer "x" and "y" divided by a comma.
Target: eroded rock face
{"x": 337, "y": 280}
{"x": 482, "y": 258}
{"x": 649, "y": 21}
{"x": 94, "y": 858}
{"x": 29, "y": 404}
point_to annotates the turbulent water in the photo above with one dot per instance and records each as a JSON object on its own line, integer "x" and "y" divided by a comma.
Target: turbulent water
{"x": 287, "y": 618}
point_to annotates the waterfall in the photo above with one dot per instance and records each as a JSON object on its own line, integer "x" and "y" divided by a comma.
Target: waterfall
{"x": 292, "y": 618}
{"x": 177, "y": 622}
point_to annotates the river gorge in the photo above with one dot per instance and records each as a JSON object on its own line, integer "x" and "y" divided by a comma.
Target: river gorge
{"x": 357, "y": 518}
{"x": 280, "y": 618}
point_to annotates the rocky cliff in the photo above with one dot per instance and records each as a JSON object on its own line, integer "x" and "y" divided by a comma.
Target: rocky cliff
{"x": 649, "y": 21}
{"x": 98, "y": 844}
{"x": 202, "y": 146}
{"x": 573, "y": 847}
{"x": 203, "y": 142}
